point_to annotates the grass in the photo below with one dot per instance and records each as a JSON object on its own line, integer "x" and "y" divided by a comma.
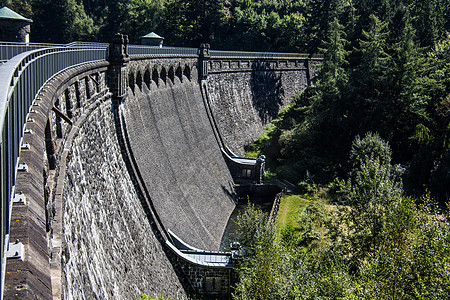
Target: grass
{"x": 290, "y": 208}
{"x": 291, "y": 212}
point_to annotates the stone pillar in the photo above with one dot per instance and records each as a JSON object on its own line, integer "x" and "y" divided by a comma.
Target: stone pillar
{"x": 204, "y": 57}
{"x": 117, "y": 71}
{"x": 260, "y": 167}
{"x": 308, "y": 70}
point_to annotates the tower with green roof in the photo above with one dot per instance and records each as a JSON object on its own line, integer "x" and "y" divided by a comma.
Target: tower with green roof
{"x": 152, "y": 39}
{"x": 14, "y": 27}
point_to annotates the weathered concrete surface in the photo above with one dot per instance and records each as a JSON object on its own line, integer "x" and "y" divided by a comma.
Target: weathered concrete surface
{"x": 243, "y": 103}
{"x": 109, "y": 250}
{"x": 174, "y": 146}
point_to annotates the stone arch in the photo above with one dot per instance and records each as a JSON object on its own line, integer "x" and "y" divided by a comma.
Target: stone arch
{"x": 147, "y": 78}
{"x": 131, "y": 81}
{"x": 179, "y": 73}
{"x": 171, "y": 74}
{"x": 139, "y": 80}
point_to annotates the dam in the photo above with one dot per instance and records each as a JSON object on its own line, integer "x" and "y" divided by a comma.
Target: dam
{"x": 119, "y": 170}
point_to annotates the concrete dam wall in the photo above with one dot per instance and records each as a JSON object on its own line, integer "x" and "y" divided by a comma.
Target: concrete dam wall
{"x": 180, "y": 161}
{"x": 110, "y": 176}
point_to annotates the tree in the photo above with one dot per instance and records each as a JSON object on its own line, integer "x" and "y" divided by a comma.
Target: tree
{"x": 142, "y": 17}
{"x": 22, "y": 7}
{"x": 190, "y": 23}
{"x": 373, "y": 190}
{"x": 69, "y": 21}
{"x": 429, "y": 22}
{"x": 321, "y": 15}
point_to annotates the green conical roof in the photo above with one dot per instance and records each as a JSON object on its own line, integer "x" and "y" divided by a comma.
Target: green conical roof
{"x": 152, "y": 35}
{"x": 6, "y": 13}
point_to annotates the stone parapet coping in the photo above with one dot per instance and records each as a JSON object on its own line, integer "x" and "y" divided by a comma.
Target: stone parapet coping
{"x": 30, "y": 276}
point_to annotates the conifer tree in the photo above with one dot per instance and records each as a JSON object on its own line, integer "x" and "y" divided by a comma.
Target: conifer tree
{"x": 428, "y": 22}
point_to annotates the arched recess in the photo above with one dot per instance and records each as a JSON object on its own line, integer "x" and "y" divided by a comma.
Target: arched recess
{"x": 87, "y": 87}
{"x": 171, "y": 74}
{"x": 139, "y": 80}
{"x": 187, "y": 72}
{"x": 96, "y": 76}
{"x": 77, "y": 95}
{"x": 155, "y": 77}
{"x": 59, "y": 129}
{"x": 67, "y": 97}
{"x": 147, "y": 78}
{"x": 131, "y": 81}
{"x": 179, "y": 73}
{"x": 163, "y": 75}
{"x": 49, "y": 147}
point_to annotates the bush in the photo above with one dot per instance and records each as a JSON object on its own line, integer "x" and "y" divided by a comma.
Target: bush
{"x": 371, "y": 147}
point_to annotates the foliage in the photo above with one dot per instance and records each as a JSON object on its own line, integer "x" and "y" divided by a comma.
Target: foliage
{"x": 69, "y": 21}
{"x": 380, "y": 246}
{"x": 370, "y": 147}
{"x": 377, "y": 76}
{"x": 253, "y": 231}
{"x": 310, "y": 221}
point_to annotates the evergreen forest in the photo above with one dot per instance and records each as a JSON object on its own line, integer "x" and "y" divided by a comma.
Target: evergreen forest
{"x": 367, "y": 144}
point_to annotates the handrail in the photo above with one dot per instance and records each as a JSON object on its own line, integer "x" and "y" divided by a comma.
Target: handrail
{"x": 155, "y": 50}
{"x": 248, "y": 54}
{"x": 10, "y": 49}
{"x": 20, "y": 80}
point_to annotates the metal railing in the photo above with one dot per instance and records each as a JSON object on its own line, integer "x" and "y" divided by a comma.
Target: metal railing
{"x": 161, "y": 51}
{"x": 21, "y": 78}
{"x": 222, "y": 53}
{"x": 80, "y": 44}
{"x": 10, "y": 49}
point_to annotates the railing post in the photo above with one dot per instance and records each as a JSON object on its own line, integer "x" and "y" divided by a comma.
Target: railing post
{"x": 117, "y": 71}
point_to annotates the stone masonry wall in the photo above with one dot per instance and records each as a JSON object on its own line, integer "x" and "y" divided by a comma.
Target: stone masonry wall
{"x": 245, "y": 99}
{"x": 109, "y": 248}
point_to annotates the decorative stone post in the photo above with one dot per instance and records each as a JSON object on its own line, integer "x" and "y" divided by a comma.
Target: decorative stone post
{"x": 204, "y": 57}
{"x": 117, "y": 71}
{"x": 308, "y": 71}
{"x": 260, "y": 167}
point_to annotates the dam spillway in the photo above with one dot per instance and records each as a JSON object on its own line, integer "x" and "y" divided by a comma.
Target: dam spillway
{"x": 180, "y": 160}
